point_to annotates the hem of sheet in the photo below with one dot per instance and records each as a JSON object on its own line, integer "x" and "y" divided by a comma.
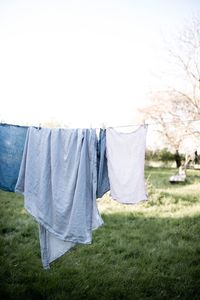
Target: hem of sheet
{"x": 129, "y": 202}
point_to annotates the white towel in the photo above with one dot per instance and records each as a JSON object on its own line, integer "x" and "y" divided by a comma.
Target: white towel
{"x": 125, "y": 154}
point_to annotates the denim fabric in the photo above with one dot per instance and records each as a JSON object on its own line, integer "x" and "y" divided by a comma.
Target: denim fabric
{"x": 58, "y": 179}
{"x": 12, "y": 139}
{"x": 103, "y": 184}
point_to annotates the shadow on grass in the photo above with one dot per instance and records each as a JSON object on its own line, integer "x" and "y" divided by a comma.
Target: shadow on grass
{"x": 132, "y": 257}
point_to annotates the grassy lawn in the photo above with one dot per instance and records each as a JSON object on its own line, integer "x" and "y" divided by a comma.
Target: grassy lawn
{"x": 145, "y": 251}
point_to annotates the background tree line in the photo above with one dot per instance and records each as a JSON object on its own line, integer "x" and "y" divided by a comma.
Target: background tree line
{"x": 163, "y": 155}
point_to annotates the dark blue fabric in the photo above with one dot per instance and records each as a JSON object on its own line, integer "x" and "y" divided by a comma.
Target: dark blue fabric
{"x": 103, "y": 184}
{"x": 12, "y": 140}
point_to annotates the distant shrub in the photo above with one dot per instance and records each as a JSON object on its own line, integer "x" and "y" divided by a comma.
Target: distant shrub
{"x": 161, "y": 155}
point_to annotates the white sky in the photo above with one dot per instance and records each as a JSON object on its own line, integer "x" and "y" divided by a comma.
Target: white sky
{"x": 85, "y": 62}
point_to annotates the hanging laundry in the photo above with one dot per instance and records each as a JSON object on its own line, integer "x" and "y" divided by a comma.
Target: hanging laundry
{"x": 103, "y": 184}
{"x": 125, "y": 154}
{"x": 12, "y": 139}
{"x": 58, "y": 179}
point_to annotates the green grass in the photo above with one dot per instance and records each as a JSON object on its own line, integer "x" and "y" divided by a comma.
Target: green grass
{"x": 145, "y": 251}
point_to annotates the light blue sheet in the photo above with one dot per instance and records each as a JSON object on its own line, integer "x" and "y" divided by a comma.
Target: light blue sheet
{"x": 58, "y": 178}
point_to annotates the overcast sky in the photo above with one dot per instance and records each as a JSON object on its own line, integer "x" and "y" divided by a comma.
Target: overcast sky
{"x": 83, "y": 62}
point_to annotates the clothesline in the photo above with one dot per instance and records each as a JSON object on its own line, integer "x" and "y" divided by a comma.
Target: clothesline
{"x": 151, "y": 123}
{"x": 121, "y": 126}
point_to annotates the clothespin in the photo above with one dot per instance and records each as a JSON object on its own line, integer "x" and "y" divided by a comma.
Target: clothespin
{"x": 103, "y": 126}
{"x": 40, "y": 126}
{"x": 144, "y": 123}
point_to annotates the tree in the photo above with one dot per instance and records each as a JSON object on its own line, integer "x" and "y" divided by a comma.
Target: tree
{"x": 175, "y": 108}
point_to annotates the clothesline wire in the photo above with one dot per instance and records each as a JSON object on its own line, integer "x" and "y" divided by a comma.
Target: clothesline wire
{"x": 130, "y": 125}
{"x": 153, "y": 123}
